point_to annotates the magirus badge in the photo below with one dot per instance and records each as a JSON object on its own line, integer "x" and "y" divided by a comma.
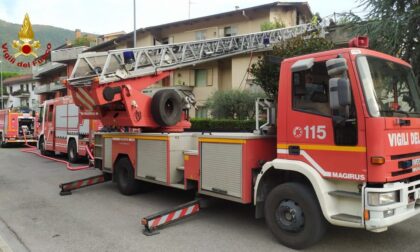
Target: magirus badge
{"x": 26, "y": 45}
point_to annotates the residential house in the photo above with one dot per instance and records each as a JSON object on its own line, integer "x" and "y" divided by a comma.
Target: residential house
{"x": 57, "y": 68}
{"x": 20, "y": 92}
{"x": 225, "y": 74}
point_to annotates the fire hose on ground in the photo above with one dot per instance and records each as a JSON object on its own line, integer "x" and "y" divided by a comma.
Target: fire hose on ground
{"x": 34, "y": 150}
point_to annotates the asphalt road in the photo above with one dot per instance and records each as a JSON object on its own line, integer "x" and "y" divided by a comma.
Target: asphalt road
{"x": 33, "y": 217}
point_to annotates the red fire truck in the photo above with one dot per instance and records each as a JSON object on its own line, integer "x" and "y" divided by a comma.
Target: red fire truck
{"x": 63, "y": 130}
{"x": 16, "y": 126}
{"x": 344, "y": 149}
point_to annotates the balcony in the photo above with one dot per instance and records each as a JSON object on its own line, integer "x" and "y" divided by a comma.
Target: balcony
{"x": 21, "y": 93}
{"x": 68, "y": 54}
{"x": 46, "y": 68}
{"x": 55, "y": 86}
{"x": 42, "y": 89}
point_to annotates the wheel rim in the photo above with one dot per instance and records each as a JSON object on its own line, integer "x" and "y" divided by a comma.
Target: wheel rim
{"x": 169, "y": 107}
{"x": 289, "y": 216}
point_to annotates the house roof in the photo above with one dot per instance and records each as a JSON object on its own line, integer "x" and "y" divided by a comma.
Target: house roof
{"x": 303, "y": 7}
{"x": 18, "y": 79}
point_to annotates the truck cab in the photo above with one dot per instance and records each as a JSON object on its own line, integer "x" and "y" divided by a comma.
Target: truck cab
{"x": 348, "y": 126}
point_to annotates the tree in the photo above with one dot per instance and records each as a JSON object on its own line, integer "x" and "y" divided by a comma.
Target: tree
{"x": 82, "y": 41}
{"x": 266, "y": 26}
{"x": 393, "y": 28}
{"x": 266, "y": 72}
{"x": 233, "y": 104}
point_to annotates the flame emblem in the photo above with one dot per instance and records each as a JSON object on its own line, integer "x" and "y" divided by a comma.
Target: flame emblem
{"x": 26, "y": 36}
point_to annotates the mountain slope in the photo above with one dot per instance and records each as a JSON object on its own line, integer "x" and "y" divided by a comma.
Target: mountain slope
{"x": 44, "y": 33}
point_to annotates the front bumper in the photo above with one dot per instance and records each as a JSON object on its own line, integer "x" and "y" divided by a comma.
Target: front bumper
{"x": 381, "y": 217}
{"x": 6, "y": 140}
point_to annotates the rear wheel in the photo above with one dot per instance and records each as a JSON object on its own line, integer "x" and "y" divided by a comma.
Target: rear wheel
{"x": 72, "y": 153}
{"x": 126, "y": 182}
{"x": 294, "y": 216}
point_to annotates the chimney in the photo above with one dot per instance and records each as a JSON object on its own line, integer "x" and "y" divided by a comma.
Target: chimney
{"x": 78, "y": 33}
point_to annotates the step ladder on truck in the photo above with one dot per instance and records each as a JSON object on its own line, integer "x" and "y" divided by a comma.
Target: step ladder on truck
{"x": 338, "y": 153}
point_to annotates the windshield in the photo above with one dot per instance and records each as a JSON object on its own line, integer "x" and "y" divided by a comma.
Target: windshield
{"x": 390, "y": 88}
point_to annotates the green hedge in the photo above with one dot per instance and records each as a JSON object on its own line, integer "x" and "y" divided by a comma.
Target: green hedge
{"x": 222, "y": 125}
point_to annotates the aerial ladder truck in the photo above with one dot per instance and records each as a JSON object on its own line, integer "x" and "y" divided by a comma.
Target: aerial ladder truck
{"x": 341, "y": 144}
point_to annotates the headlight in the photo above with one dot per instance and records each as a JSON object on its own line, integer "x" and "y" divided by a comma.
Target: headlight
{"x": 381, "y": 199}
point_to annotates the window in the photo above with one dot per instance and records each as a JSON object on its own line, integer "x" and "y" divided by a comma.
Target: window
{"x": 230, "y": 31}
{"x": 201, "y": 112}
{"x": 310, "y": 90}
{"x": 50, "y": 113}
{"x": 200, "y": 77}
{"x": 200, "y": 35}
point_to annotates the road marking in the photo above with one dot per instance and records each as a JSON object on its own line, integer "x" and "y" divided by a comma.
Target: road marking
{"x": 4, "y": 247}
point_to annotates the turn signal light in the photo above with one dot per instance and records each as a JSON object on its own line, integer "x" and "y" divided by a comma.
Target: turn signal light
{"x": 377, "y": 160}
{"x": 366, "y": 215}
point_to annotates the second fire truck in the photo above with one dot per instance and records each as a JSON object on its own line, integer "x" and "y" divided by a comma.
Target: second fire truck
{"x": 63, "y": 130}
{"x": 17, "y": 127}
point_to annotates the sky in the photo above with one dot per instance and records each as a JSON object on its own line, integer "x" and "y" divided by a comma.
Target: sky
{"x": 107, "y": 16}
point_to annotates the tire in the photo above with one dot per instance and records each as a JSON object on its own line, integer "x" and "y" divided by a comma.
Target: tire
{"x": 166, "y": 107}
{"x": 2, "y": 144}
{"x": 42, "y": 148}
{"x": 126, "y": 182}
{"x": 293, "y": 215}
{"x": 72, "y": 154}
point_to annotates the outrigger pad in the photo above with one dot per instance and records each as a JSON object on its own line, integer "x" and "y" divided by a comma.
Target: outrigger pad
{"x": 153, "y": 222}
{"x": 66, "y": 188}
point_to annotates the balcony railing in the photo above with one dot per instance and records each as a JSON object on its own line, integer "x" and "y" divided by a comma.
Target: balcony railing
{"x": 55, "y": 86}
{"x": 68, "y": 54}
{"x": 42, "y": 89}
{"x": 21, "y": 93}
{"x": 47, "y": 67}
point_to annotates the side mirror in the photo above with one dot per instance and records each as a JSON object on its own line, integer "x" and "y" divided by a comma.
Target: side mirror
{"x": 336, "y": 67}
{"x": 340, "y": 96}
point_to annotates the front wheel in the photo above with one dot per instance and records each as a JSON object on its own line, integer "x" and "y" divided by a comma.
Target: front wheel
{"x": 294, "y": 216}
{"x": 2, "y": 143}
{"x": 42, "y": 148}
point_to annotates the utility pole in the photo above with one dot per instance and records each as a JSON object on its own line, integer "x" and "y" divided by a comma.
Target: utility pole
{"x": 135, "y": 29}
{"x": 189, "y": 9}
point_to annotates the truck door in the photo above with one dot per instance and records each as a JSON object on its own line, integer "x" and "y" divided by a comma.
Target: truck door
{"x": 335, "y": 148}
{"x": 49, "y": 129}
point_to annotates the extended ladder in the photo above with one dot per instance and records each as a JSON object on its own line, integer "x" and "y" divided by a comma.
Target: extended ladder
{"x": 129, "y": 63}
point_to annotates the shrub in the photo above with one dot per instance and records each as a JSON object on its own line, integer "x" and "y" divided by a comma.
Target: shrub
{"x": 222, "y": 125}
{"x": 233, "y": 104}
